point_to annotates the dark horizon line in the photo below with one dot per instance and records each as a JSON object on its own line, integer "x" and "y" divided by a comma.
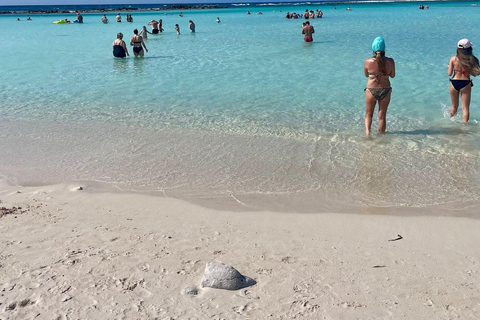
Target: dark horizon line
{"x": 225, "y": 3}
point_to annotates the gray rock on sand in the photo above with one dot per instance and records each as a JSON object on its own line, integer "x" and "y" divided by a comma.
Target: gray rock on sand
{"x": 220, "y": 276}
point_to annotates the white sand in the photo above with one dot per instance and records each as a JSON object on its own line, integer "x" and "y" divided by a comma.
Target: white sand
{"x": 97, "y": 255}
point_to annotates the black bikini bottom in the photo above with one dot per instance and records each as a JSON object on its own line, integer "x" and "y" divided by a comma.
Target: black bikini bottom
{"x": 460, "y": 84}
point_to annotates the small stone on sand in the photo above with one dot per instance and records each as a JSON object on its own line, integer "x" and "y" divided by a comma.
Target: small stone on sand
{"x": 221, "y": 276}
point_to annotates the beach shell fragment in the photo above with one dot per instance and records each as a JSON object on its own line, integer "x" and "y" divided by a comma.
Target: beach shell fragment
{"x": 220, "y": 276}
{"x": 190, "y": 290}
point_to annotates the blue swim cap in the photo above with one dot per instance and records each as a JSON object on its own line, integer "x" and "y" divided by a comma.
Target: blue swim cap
{"x": 378, "y": 44}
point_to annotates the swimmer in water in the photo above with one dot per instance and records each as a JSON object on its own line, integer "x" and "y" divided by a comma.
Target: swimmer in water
{"x": 160, "y": 25}
{"x": 177, "y": 28}
{"x": 104, "y": 19}
{"x": 119, "y": 47}
{"x": 137, "y": 42}
{"x": 308, "y": 31}
{"x": 378, "y": 69}
{"x": 79, "y": 18}
{"x": 144, "y": 33}
{"x": 119, "y": 18}
{"x": 191, "y": 26}
{"x": 218, "y": 20}
{"x": 461, "y": 67}
{"x": 154, "y": 25}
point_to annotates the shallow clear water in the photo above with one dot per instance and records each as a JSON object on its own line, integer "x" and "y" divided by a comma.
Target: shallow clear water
{"x": 243, "y": 107}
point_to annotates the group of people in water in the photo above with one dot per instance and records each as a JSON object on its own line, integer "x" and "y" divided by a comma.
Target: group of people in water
{"x": 307, "y": 15}
{"x": 379, "y": 69}
{"x": 137, "y": 41}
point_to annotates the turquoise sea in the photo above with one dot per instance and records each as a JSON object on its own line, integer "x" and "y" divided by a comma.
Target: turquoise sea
{"x": 243, "y": 111}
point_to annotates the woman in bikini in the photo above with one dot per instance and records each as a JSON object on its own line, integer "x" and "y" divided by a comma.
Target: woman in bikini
{"x": 144, "y": 33}
{"x": 378, "y": 69}
{"x": 462, "y": 66}
{"x": 137, "y": 42}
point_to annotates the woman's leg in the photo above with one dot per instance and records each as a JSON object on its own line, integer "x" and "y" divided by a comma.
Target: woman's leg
{"x": 454, "y": 97}
{"x": 382, "y": 113}
{"x": 369, "y": 109}
{"x": 466, "y": 95}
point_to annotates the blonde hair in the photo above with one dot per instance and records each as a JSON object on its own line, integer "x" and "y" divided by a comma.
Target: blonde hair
{"x": 468, "y": 61}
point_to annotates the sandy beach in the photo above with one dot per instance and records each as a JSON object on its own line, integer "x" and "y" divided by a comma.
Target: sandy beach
{"x": 95, "y": 254}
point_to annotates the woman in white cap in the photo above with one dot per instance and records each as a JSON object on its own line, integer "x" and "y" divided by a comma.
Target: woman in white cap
{"x": 462, "y": 66}
{"x": 378, "y": 69}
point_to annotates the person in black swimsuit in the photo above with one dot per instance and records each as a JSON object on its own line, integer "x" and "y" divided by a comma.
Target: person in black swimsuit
{"x": 119, "y": 47}
{"x": 138, "y": 44}
{"x": 461, "y": 67}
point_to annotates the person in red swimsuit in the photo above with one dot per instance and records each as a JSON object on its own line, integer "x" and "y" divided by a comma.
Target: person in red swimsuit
{"x": 308, "y": 30}
{"x": 461, "y": 67}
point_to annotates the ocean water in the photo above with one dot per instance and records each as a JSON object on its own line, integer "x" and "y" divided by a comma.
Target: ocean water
{"x": 243, "y": 110}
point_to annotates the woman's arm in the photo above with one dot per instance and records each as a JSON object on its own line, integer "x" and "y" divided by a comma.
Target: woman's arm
{"x": 365, "y": 68}
{"x": 143, "y": 44}
{"x": 124, "y": 45}
{"x": 392, "y": 73}
{"x": 450, "y": 66}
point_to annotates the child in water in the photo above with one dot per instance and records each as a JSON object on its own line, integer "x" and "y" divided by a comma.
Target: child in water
{"x": 177, "y": 28}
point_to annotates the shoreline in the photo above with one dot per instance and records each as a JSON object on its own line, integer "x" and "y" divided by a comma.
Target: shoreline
{"x": 68, "y": 252}
{"x": 275, "y": 204}
{"x": 291, "y": 176}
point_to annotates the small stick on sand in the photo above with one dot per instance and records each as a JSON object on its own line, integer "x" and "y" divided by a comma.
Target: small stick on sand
{"x": 399, "y": 238}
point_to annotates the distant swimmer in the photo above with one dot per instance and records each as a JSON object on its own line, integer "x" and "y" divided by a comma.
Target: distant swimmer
{"x": 177, "y": 28}
{"x": 119, "y": 18}
{"x": 180, "y": 15}
{"x": 144, "y": 33}
{"x": 248, "y": 12}
{"x": 137, "y": 42}
{"x": 79, "y": 18}
{"x": 29, "y": 19}
{"x": 308, "y": 31}
{"x": 154, "y": 25}
{"x": 104, "y": 19}
{"x": 160, "y": 25}
{"x": 120, "y": 47}
{"x": 348, "y": 9}
{"x": 260, "y": 13}
{"x": 218, "y": 20}
{"x": 306, "y": 15}
{"x": 18, "y": 19}
{"x": 378, "y": 69}
{"x": 461, "y": 67}
{"x": 191, "y": 26}
{"x": 427, "y": 7}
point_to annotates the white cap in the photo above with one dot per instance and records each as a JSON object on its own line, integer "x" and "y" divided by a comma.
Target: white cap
{"x": 464, "y": 44}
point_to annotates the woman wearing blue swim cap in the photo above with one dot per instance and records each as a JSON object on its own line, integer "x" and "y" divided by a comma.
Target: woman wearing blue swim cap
{"x": 378, "y": 69}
